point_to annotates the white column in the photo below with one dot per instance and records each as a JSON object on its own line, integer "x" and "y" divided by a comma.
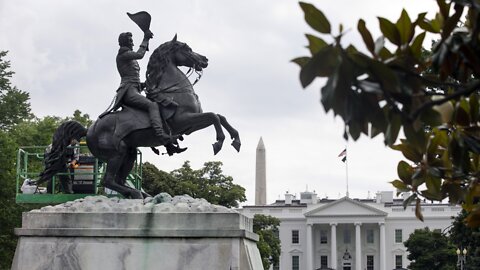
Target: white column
{"x": 309, "y": 247}
{"x": 382, "y": 246}
{"x": 333, "y": 228}
{"x": 358, "y": 247}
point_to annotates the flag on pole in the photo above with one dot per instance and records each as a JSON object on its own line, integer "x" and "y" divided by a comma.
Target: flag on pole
{"x": 343, "y": 154}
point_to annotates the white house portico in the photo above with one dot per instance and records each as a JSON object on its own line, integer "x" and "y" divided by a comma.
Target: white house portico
{"x": 351, "y": 218}
{"x": 348, "y": 234}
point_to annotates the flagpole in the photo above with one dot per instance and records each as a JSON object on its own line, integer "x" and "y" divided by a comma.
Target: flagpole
{"x": 346, "y": 169}
{"x": 344, "y": 154}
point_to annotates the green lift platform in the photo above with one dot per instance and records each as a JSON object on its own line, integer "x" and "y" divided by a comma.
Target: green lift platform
{"x": 86, "y": 177}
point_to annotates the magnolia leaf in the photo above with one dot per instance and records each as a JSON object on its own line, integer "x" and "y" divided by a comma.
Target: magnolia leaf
{"x": 433, "y": 183}
{"x": 301, "y": 61}
{"x": 416, "y": 47}
{"x": 321, "y": 64}
{"x": 366, "y": 36}
{"x": 315, "y": 43}
{"x": 452, "y": 21}
{"x": 400, "y": 186}
{"x": 462, "y": 117}
{"x": 405, "y": 172}
{"x": 315, "y": 18}
{"x": 390, "y": 31}
{"x": 444, "y": 8}
{"x": 409, "y": 200}
{"x": 392, "y": 129}
{"x": 429, "y": 26}
{"x": 405, "y": 27}
{"x": 408, "y": 151}
{"x": 418, "y": 210}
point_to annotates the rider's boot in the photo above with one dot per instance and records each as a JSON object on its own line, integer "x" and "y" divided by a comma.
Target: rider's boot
{"x": 174, "y": 149}
{"x": 157, "y": 126}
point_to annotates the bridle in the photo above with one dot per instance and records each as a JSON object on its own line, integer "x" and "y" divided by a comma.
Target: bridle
{"x": 187, "y": 74}
{"x": 194, "y": 68}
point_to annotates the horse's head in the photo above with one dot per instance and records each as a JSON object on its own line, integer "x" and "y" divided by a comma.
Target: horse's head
{"x": 176, "y": 53}
{"x": 183, "y": 55}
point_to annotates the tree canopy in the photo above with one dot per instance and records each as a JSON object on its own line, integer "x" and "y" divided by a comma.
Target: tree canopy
{"x": 269, "y": 242}
{"x": 18, "y": 127}
{"x": 14, "y": 105}
{"x": 393, "y": 86}
{"x": 464, "y": 237}
{"x": 208, "y": 182}
{"x": 430, "y": 250}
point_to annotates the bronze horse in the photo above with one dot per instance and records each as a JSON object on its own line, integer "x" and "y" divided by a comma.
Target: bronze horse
{"x": 167, "y": 85}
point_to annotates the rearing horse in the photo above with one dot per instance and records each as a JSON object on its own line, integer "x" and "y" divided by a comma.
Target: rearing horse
{"x": 167, "y": 85}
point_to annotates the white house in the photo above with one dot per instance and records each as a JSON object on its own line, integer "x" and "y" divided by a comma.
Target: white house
{"x": 348, "y": 234}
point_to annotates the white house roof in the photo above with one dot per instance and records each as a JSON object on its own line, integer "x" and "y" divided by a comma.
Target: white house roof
{"x": 345, "y": 207}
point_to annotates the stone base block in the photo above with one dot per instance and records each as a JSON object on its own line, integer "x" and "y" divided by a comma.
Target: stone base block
{"x": 111, "y": 234}
{"x": 85, "y": 253}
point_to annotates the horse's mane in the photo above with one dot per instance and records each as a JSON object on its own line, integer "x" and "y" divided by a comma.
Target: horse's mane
{"x": 159, "y": 59}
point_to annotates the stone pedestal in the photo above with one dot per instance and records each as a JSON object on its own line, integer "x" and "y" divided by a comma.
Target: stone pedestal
{"x": 101, "y": 233}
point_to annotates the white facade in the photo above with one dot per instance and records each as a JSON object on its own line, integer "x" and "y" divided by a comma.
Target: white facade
{"x": 348, "y": 234}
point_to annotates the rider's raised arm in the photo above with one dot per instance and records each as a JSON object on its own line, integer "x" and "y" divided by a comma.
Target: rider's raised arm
{"x": 131, "y": 55}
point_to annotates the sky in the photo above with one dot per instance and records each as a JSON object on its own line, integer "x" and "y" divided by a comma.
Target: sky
{"x": 63, "y": 54}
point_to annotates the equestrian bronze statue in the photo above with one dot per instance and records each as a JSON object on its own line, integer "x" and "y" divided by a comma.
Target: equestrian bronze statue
{"x": 115, "y": 136}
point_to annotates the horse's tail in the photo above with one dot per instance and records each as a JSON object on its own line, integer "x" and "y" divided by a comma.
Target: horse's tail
{"x": 55, "y": 160}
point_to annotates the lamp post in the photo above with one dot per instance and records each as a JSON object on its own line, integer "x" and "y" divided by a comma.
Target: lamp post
{"x": 462, "y": 256}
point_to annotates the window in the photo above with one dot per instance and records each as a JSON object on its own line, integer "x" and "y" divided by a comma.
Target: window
{"x": 370, "y": 237}
{"x": 398, "y": 261}
{"x": 295, "y": 239}
{"x": 323, "y": 237}
{"x": 323, "y": 261}
{"x": 295, "y": 263}
{"x": 347, "y": 236}
{"x": 370, "y": 262}
{"x": 398, "y": 236}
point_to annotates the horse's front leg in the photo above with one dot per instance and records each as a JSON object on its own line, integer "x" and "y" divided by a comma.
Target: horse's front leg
{"x": 196, "y": 121}
{"x": 233, "y": 132}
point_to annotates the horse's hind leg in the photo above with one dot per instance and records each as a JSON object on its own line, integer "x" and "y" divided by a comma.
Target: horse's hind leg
{"x": 124, "y": 171}
{"x": 114, "y": 168}
{"x": 233, "y": 132}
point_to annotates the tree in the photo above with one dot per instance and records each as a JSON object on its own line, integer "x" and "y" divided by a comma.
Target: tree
{"x": 26, "y": 132}
{"x": 14, "y": 108}
{"x": 433, "y": 98}
{"x": 430, "y": 250}
{"x": 269, "y": 242}
{"x": 462, "y": 237}
{"x": 208, "y": 182}
{"x": 14, "y": 105}
{"x": 84, "y": 119}
{"x": 155, "y": 181}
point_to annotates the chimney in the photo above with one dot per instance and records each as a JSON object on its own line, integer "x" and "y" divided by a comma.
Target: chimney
{"x": 288, "y": 198}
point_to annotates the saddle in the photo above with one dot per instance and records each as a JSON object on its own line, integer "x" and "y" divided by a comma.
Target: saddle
{"x": 130, "y": 119}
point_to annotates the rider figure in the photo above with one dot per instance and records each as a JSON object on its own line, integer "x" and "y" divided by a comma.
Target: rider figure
{"x": 130, "y": 87}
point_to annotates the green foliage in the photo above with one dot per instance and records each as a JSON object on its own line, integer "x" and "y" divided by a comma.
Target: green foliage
{"x": 208, "y": 182}
{"x": 14, "y": 106}
{"x": 430, "y": 250}
{"x": 269, "y": 242}
{"x": 433, "y": 97}
{"x": 83, "y": 119}
{"x": 156, "y": 181}
{"x": 462, "y": 237}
